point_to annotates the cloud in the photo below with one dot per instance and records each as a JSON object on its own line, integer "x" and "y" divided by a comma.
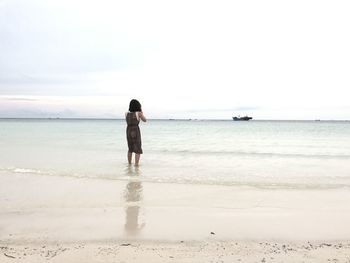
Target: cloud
{"x": 17, "y": 99}
{"x": 233, "y": 109}
{"x": 54, "y": 43}
{"x": 179, "y": 58}
{"x": 38, "y": 113}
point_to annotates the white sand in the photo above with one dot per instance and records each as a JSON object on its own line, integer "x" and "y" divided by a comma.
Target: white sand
{"x": 87, "y": 220}
{"x": 205, "y": 251}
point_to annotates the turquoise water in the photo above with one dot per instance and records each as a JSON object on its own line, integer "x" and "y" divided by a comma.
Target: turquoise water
{"x": 277, "y": 154}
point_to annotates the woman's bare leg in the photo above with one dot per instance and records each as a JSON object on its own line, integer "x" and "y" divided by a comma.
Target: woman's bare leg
{"x": 137, "y": 159}
{"x": 129, "y": 157}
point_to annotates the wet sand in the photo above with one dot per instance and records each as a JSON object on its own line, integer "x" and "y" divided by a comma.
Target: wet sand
{"x": 67, "y": 219}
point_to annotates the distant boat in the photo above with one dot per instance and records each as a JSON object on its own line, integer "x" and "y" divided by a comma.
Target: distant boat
{"x": 245, "y": 118}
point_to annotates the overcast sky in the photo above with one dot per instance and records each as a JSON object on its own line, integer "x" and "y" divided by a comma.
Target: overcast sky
{"x": 181, "y": 59}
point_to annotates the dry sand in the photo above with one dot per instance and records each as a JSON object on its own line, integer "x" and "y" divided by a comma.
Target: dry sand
{"x": 205, "y": 251}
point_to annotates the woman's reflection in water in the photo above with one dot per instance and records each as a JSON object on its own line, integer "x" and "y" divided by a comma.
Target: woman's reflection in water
{"x": 133, "y": 198}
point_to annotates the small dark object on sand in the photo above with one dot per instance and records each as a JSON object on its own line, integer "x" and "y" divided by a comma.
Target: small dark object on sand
{"x": 125, "y": 244}
{"x": 9, "y": 256}
{"x": 212, "y": 233}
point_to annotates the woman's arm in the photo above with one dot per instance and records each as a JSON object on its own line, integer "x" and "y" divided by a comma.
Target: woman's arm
{"x": 142, "y": 117}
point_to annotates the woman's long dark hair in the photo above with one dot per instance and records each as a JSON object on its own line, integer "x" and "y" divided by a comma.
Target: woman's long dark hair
{"x": 134, "y": 106}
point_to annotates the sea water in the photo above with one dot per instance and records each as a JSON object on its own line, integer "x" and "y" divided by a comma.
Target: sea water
{"x": 265, "y": 154}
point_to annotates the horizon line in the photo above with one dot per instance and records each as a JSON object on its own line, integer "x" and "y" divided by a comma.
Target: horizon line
{"x": 161, "y": 119}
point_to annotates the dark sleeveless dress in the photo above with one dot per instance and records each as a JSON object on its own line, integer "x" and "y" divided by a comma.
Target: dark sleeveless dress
{"x": 133, "y": 133}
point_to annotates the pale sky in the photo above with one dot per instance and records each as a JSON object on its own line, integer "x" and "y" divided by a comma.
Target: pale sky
{"x": 180, "y": 59}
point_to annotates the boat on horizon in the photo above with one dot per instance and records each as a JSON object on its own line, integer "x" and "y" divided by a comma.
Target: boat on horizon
{"x": 245, "y": 118}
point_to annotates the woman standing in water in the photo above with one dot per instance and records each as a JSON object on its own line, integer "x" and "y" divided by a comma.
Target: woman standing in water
{"x": 133, "y": 134}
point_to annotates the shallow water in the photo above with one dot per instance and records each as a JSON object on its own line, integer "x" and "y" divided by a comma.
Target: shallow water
{"x": 273, "y": 154}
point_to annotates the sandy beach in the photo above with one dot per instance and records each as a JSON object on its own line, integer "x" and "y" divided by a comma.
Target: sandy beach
{"x": 174, "y": 131}
{"x": 182, "y": 251}
{"x": 66, "y": 219}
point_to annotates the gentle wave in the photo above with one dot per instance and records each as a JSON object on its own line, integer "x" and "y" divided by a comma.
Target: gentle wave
{"x": 268, "y": 183}
{"x": 22, "y": 170}
{"x": 26, "y": 171}
{"x": 258, "y": 154}
{"x": 253, "y": 184}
